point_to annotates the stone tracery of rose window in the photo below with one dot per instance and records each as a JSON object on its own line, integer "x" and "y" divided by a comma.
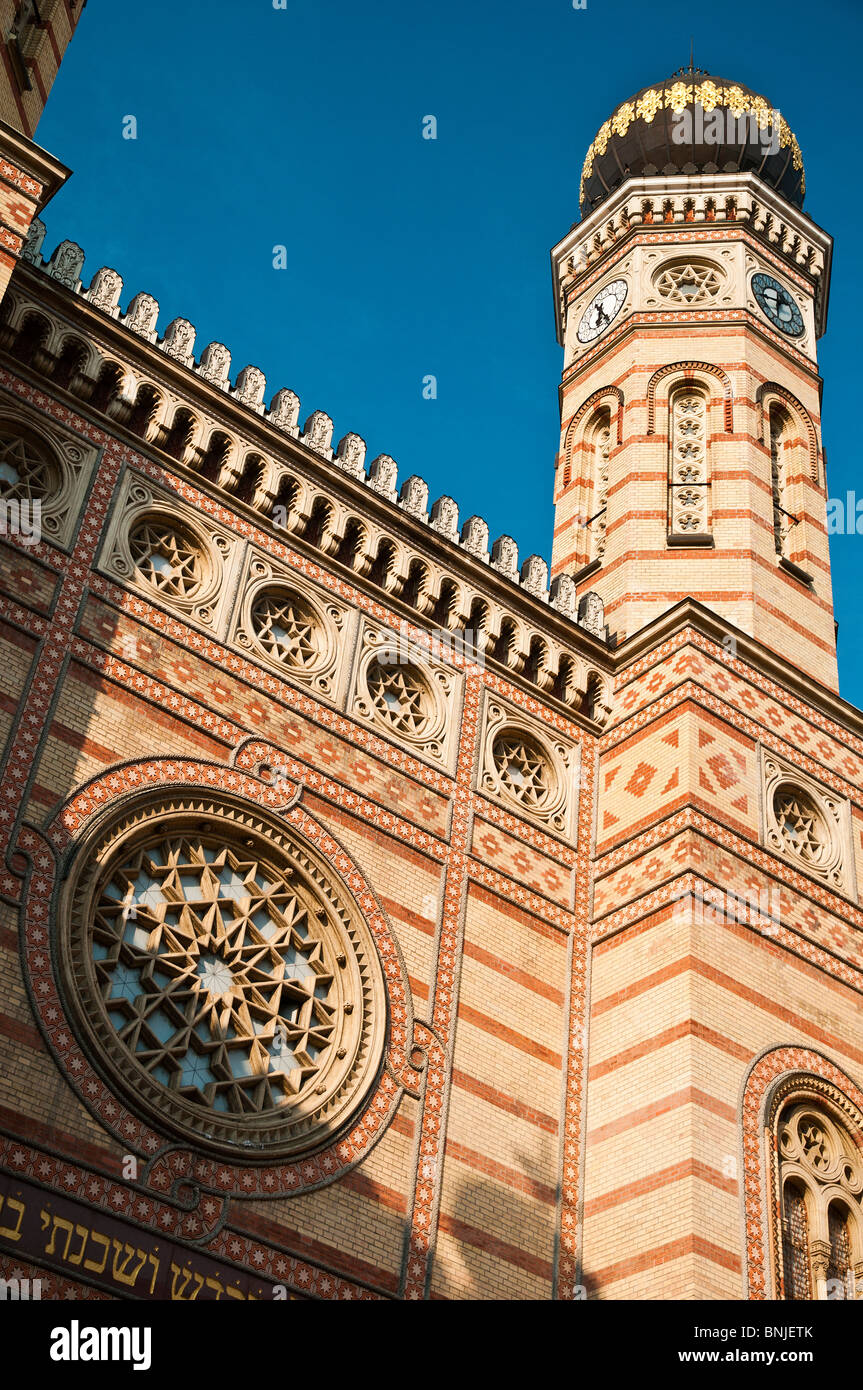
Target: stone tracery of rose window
{"x": 212, "y": 974}
{"x": 25, "y": 471}
{"x": 166, "y": 558}
{"x": 688, "y": 283}
{"x": 400, "y": 697}
{"x": 287, "y": 628}
{"x": 820, "y": 1174}
{"x": 523, "y": 771}
{"x": 688, "y": 502}
{"x": 221, "y": 976}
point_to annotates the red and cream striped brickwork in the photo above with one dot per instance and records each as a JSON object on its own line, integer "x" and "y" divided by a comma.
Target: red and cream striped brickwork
{"x": 32, "y": 46}
{"x": 461, "y": 1179}
{"x": 580, "y": 1050}
{"x": 745, "y": 367}
{"x": 685, "y": 997}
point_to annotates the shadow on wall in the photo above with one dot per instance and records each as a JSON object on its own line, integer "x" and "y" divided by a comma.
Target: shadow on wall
{"x": 496, "y": 1239}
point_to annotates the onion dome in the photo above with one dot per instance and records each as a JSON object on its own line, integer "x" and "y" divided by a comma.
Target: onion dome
{"x": 693, "y": 123}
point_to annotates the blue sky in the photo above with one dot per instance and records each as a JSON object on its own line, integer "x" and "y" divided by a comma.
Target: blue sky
{"x": 406, "y": 257}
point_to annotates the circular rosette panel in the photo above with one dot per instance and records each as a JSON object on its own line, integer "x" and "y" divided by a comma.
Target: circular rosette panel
{"x": 405, "y": 699}
{"x": 27, "y": 472}
{"x": 802, "y": 828}
{"x": 224, "y": 979}
{"x": 528, "y": 772}
{"x": 167, "y": 558}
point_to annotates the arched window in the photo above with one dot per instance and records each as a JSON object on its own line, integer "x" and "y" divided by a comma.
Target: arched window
{"x": 795, "y": 1243}
{"x": 840, "y": 1265}
{"x": 688, "y": 477}
{"x": 780, "y": 444}
{"x": 820, "y": 1173}
{"x": 600, "y": 443}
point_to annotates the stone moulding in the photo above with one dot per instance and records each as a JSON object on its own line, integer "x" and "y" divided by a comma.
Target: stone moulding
{"x": 778, "y": 1076}
{"x": 316, "y": 500}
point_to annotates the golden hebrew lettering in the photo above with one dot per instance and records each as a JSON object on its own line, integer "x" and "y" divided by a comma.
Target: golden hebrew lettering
{"x": 13, "y": 1232}
{"x": 92, "y": 1264}
{"x": 58, "y": 1222}
{"x": 120, "y": 1274}
{"x": 84, "y": 1234}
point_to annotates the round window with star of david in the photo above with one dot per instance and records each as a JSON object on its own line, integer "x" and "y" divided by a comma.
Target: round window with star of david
{"x": 525, "y": 773}
{"x": 167, "y": 558}
{"x": 287, "y": 629}
{"x": 802, "y": 828}
{"x": 226, "y": 980}
{"x": 401, "y": 697}
{"x": 26, "y": 471}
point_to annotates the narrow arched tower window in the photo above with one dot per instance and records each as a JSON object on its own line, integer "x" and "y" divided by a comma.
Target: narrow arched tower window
{"x": 601, "y": 441}
{"x": 779, "y": 455}
{"x": 688, "y": 477}
{"x": 795, "y": 1243}
{"x": 820, "y": 1187}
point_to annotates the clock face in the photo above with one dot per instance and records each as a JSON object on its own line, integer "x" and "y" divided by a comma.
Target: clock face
{"x": 605, "y": 306}
{"x": 780, "y": 307}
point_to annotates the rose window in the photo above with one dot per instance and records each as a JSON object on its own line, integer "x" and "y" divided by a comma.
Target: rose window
{"x": 523, "y": 770}
{"x": 212, "y": 975}
{"x": 166, "y": 558}
{"x": 801, "y": 826}
{"x": 287, "y": 628}
{"x": 225, "y": 982}
{"x": 686, "y": 283}
{"x": 400, "y": 697}
{"x": 25, "y": 472}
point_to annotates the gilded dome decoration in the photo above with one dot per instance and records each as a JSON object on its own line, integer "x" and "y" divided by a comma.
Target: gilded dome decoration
{"x": 694, "y": 123}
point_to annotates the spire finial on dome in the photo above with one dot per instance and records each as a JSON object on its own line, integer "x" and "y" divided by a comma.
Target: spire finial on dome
{"x": 692, "y": 70}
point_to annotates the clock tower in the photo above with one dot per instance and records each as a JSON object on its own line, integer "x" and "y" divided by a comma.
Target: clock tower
{"x": 689, "y": 301}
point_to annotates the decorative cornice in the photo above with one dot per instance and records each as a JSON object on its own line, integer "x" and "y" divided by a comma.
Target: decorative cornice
{"x": 29, "y": 168}
{"x": 168, "y": 362}
{"x": 668, "y": 203}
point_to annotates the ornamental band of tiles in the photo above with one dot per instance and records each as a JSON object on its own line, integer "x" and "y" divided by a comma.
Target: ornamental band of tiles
{"x": 385, "y": 917}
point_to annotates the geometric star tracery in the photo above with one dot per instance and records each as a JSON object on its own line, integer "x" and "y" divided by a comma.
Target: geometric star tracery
{"x": 24, "y": 472}
{"x": 286, "y": 628}
{"x": 523, "y": 770}
{"x": 166, "y": 558}
{"x": 800, "y": 826}
{"x": 213, "y": 975}
{"x": 399, "y": 696}
{"x": 688, "y": 284}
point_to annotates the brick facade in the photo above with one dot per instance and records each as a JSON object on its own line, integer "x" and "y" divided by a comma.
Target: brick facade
{"x": 577, "y": 1030}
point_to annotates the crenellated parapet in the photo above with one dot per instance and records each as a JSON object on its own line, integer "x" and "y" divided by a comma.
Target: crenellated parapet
{"x": 167, "y": 420}
{"x": 288, "y": 467}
